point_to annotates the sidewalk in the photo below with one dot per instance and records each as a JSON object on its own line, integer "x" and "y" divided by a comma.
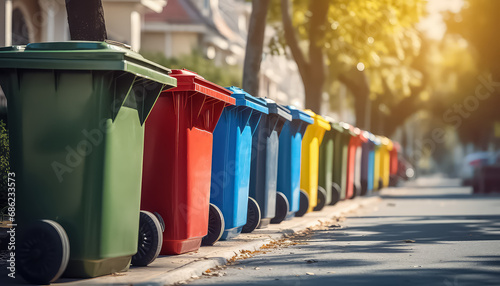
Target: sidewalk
{"x": 167, "y": 270}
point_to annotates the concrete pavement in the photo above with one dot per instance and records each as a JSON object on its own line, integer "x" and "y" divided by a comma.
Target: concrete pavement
{"x": 167, "y": 270}
{"x": 432, "y": 232}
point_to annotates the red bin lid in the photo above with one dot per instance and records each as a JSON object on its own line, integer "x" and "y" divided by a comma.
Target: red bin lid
{"x": 191, "y": 81}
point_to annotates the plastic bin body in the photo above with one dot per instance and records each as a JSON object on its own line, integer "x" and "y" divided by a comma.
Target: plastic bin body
{"x": 385, "y": 160}
{"x": 394, "y": 158}
{"x": 358, "y": 166}
{"x": 351, "y": 162}
{"x": 310, "y": 157}
{"x": 341, "y": 148}
{"x": 231, "y": 159}
{"x": 178, "y": 158}
{"x": 376, "y": 165}
{"x": 289, "y": 157}
{"x": 326, "y": 162}
{"x": 264, "y": 166}
{"x": 76, "y": 114}
{"x": 367, "y": 160}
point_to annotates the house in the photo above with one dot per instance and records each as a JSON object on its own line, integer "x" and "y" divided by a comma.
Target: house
{"x": 218, "y": 28}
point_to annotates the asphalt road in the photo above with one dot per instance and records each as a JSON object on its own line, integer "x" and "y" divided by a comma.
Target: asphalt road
{"x": 431, "y": 232}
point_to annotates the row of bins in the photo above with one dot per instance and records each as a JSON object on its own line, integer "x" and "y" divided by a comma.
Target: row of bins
{"x": 118, "y": 182}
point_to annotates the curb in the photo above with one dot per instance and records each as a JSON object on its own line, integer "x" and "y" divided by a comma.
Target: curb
{"x": 162, "y": 272}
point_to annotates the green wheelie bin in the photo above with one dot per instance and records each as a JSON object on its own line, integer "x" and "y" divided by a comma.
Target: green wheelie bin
{"x": 342, "y": 137}
{"x": 76, "y": 123}
{"x": 325, "y": 175}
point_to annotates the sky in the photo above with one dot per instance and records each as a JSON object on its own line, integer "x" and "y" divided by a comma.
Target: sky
{"x": 433, "y": 24}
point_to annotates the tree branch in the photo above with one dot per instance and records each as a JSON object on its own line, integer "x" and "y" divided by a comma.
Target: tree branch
{"x": 291, "y": 39}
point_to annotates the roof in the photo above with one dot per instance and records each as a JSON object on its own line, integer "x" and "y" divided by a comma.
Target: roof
{"x": 177, "y": 12}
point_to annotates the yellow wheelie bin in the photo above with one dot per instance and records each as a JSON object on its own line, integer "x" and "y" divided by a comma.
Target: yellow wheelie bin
{"x": 310, "y": 163}
{"x": 385, "y": 160}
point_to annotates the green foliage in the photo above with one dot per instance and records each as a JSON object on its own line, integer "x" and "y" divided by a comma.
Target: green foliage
{"x": 377, "y": 34}
{"x": 224, "y": 75}
{"x": 4, "y": 163}
{"x": 477, "y": 22}
{"x": 475, "y": 27}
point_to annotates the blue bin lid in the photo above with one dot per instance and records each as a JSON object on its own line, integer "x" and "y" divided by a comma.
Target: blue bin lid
{"x": 279, "y": 109}
{"x": 298, "y": 114}
{"x": 243, "y": 98}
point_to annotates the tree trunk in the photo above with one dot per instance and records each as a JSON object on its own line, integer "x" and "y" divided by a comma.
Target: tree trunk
{"x": 357, "y": 83}
{"x": 312, "y": 70}
{"x": 255, "y": 46}
{"x": 86, "y": 20}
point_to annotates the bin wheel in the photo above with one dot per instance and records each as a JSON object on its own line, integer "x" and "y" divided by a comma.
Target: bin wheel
{"x": 160, "y": 219}
{"x": 282, "y": 208}
{"x": 354, "y": 191}
{"x": 380, "y": 184}
{"x": 216, "y": 226}
{"x": 303, "y": 204}
{"x": 335, "y": 193}
{"x": 253, "y": 216}
{"x": 150, "y": 239}
{"x": 321, "y": 202}
{"x": 43, "y": 252}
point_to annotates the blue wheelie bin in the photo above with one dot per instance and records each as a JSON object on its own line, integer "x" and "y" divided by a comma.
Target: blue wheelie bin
{"x": 290, "y": 148}
{"x": 367, "y": 161}
{"x": 264, "y": 167}
{"x": 231, "y": 158}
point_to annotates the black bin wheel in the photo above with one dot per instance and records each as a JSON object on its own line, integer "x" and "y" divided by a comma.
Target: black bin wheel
{"x": 380, "y": 184}
{"x": 321, "y": 199}
{"x": 216, "y": 226}
{"x": 335, "y": 193}
{"x": 354, "y": 191}
{"x": 43, "y": 252}
{"x": 303, "y": 204}
{"x": 253, "y": 216}
{"x": 282, "y": 208}
{"x": 150, "y": 239}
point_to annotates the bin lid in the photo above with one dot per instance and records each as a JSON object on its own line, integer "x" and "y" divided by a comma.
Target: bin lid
{"x": 387, "y": 143}
{"x": 83, "y": 55}
{"x": 319, "y": 120}
{"x": 360, "y": 134}
{"x": 279, "y": 109}
{"x": 191, "y": 81}
{"x": 298, "y": 114}
{"x": 243, "y": 98}
{"x": 397, "y": 146}
{"x": 374, "y": 138}
{"x": 347, "y": 129}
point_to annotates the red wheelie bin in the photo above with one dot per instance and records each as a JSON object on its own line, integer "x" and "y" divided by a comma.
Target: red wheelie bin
{"x": 178, "y": 158}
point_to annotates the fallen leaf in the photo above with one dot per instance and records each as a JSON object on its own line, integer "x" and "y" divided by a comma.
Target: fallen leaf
{"x": 409, "y": 241}
{"x": 240, "y": 268}
{"x": 118, "y": 274}
{"x": 311, "y": 261}
{"x": 310, "y": 273}
{"x": 257, "y": 268}
{"x": 331, "y": 272}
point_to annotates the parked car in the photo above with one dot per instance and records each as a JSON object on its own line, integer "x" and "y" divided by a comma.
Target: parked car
{"x": 474, "y": 161}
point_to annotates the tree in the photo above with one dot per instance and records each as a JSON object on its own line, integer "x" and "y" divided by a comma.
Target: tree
{"x": 255, "y": 46}
{"x": 477, "y": 23}
{"x": 86, "y": 20}
{"x": 350, "y": 37}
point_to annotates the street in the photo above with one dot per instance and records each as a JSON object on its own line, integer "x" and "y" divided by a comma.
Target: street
{"x": 430, "y": 232}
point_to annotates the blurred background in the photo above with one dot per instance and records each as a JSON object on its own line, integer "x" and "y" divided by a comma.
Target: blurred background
{"x": 423, "y": 73}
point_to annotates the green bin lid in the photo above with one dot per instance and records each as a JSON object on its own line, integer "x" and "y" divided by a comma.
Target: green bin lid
{"x": 82, "y": 55}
